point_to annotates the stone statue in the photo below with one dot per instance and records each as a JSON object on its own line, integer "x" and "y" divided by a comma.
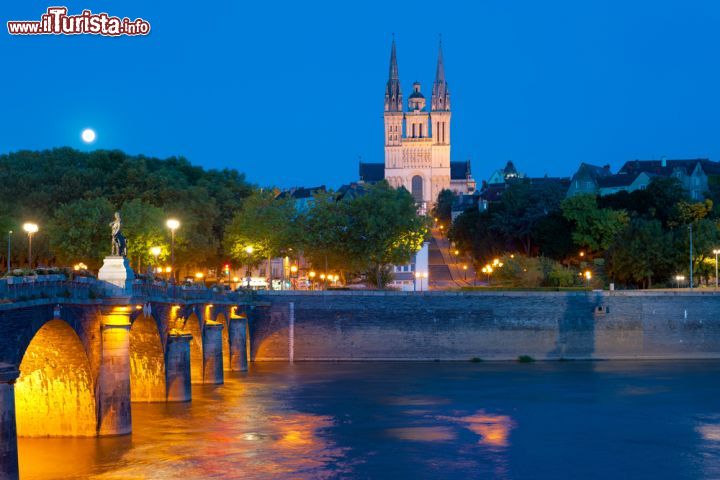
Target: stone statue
{"x": 119, "y": 244}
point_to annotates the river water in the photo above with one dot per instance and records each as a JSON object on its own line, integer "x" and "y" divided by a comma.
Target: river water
{"x": 416, "y": 420}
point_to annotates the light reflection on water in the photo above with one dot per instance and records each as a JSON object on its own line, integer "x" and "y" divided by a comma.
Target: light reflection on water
{"x": 415, "y": 420}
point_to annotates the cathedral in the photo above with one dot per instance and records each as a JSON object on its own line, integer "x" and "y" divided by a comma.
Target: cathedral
{"x": 417, "y": 142}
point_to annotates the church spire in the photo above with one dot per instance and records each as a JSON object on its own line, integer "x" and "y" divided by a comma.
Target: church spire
{"x": 393, "y": 95}
{"x": 441, "y": 92}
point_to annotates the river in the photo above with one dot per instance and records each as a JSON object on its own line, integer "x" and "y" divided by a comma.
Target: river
{"x": 416, "y": 420}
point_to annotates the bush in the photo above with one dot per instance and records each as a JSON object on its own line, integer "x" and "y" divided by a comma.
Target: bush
{"x": 525, "y": 359}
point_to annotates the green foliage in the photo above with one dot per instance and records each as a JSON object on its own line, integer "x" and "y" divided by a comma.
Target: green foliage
{"x": 203, "y": 200}
{"x": 262, "y": 228}
{"x": 594, "y": 228}
{"x": 144, "y": 225}
{"x": 641, "y": 252}
{"x": 524, "y": 205}
{"x": 443, "y": 208}
{"x": 78, "y": 231}
{"x": 519, "y": 271}
{"x": 384, "y": 228}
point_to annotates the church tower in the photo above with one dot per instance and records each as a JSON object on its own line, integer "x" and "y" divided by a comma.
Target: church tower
{"x": 417, "y": 141}
{"x": 393, "y": 114}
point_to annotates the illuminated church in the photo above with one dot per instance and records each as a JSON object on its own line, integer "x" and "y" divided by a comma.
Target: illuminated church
{"x": 417, "y": 142}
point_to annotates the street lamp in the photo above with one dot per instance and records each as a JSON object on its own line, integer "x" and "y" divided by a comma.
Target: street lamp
{"x": 312, "y": 279}
{"x": 588, "y": 277}
{"x": 678, "y": 279}
{"x": 155, "y": 252}
{"x": 487, "y": 269}
{"x": 173, "y": 225}
{"x": 716, "y": 252}
{"x": 465, "y": 270}
{"x": 30, "y": 228}
{"x": 293, "y": 276}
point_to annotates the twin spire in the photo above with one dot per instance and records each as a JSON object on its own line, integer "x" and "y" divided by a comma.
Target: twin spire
{"x": 440, "y": 92}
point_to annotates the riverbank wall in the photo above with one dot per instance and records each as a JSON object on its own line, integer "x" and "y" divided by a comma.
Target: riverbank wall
{"x": 348, "y": 325}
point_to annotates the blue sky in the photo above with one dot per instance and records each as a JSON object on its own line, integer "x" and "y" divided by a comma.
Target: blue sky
{"x": 292, "y": 93}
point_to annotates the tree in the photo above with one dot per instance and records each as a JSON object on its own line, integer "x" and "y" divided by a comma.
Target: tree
{"x": 443, "y": 208}
{"x": 553, "y": 235}
{"x": 472, "y": 231}
{"x": 79, "y": 232}
{"x": 384, "y": 228}
{"x": 144, "y": 228}
{"x": 523, "y": 206}
{"x": 323, "y": 230}
{"x": 594, "y": 228}
{"x": 641, "y": 254}
{"x": 263, "y": 228}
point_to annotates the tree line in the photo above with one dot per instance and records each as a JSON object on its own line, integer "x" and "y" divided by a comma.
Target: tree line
{"x": 639, "y": 239}
{"x": 72, "y": 196}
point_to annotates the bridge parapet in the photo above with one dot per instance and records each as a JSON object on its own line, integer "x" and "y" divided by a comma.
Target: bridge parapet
{"x": 83, "y": 288}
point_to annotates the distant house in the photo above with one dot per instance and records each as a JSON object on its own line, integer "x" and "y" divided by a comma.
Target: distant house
{"x": 302, "y": 196}
{"x": 586, "y": 179}
{"x": 693, "y": 174}
{"x": 503, "y": 175}
{"x": 623, "y": 182}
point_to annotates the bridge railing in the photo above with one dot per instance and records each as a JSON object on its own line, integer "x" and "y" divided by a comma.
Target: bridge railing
{"x": 90, "y": 288}
{"x": 55, "y": 288}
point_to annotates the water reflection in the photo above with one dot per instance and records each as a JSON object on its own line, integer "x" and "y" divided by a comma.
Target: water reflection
{"x": 391, "y": 420}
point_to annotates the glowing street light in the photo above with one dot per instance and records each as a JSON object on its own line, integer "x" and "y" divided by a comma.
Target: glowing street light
{"x": 465, "y": 268}
{"x": 487, "y": 270}
{"x": 30, "y": 228}
{"x": 678, "y": 279}
{"x": 155, "y": 252}
{"x": 172, "y": 224}
{"x": 588, "y": 277}
{"x": 249, "y": 249}
{"x": 716, "y": 252}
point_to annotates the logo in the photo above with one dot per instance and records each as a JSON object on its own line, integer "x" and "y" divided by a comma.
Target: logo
{"x": 56, "y": 21}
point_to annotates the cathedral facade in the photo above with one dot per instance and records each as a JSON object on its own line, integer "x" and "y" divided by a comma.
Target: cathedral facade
{"x": 417, "y": 141}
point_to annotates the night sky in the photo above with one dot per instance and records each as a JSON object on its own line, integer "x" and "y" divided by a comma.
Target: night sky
{"x": 292, "y": 93}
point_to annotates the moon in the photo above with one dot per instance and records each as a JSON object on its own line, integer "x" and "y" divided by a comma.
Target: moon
{"x": 88, "y": 135}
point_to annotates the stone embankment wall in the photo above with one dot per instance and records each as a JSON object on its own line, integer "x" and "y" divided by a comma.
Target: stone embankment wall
{"x": 487, "y": 325}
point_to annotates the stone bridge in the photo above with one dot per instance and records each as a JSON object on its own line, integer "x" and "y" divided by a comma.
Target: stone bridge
{"x": 72, "y": 360}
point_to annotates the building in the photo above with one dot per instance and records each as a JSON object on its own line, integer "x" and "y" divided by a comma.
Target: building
{"x": 413, "y": 277}
{"x": 417, "y": 142}
{"x": 586, "y": 179}
{"x": 302, "y": 197}
{"x": 693, "y": 174}
{"x": 504, "y": 175}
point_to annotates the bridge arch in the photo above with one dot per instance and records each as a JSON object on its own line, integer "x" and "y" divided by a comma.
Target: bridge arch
{"x": 193, "y": 326}
{"x": 55, "y": 393}
{"x": 147, "y": 361}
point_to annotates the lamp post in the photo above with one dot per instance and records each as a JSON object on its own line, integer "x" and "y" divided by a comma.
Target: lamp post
{"x": 691, "y": 257}
{"x": 312, "y": 279}
{"x": 465, "y": 268}
{"x": 10, "y": 252}
{"x": 588, "y": 277}
{"x": 716, "y": 252}
{"x": 155, "y": 252}
{"x": 30, "y": 228}
{"x": 173, "y": 225}
{"x": 678, "y": 279}
{"x": 293, "y": 276}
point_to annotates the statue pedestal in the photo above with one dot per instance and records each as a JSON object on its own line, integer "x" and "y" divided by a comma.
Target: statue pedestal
{"x": 117, "y": 275}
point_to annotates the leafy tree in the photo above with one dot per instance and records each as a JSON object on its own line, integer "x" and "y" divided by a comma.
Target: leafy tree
{"x": 553, "y": 235}
{"x": 262, "y": 228}
{"x": 79, "y": 232}
{"x": 384, "y": 228}
{"x": 472, "y": 231}
{"x": 641, "y": 254}
{"x": 443, "y": 208}
{"x": 594, "y": 228}
{"x": 324, "y": 233}
{"x": 523, "y": 206}
{"x": 144, "y": 228}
